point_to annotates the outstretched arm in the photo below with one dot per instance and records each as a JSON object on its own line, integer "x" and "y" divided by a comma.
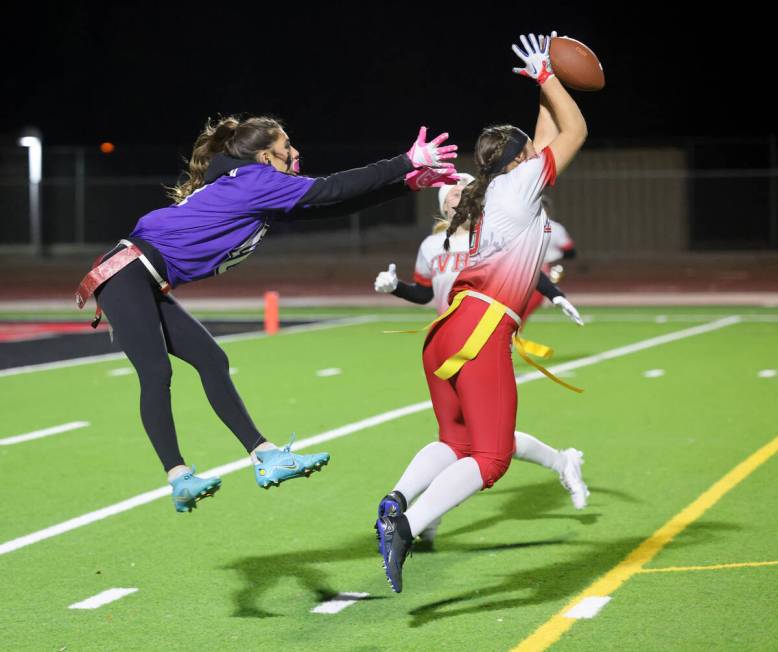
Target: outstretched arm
{"x": 350, "y": 184}
{"x": 555, "y": 104}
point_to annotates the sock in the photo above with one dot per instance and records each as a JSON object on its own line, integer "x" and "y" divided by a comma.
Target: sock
{"x": 427, "y": 464}
{"x": 263, "y": 447}
{"x": 455, "y": 484}
{"x": 177, "y": 472}
{"x": 531, "y": 449}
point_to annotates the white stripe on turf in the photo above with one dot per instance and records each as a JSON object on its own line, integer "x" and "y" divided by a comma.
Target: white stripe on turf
{"x": 149, "y": 496}
{"x": 588, "y": 607}
{"x": 338, "y": 603}
{"x": 46, "y": 432}
{"x": 303, "y": 328}
{"x": 110, "y": 595}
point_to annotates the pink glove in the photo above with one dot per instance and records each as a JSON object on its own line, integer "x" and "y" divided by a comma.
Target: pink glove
{"x": 428, "y": 154}
{"x": 431, "y": 178}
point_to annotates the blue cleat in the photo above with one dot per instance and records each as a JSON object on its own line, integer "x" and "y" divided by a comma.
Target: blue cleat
{"x": 394, "y": 548}
{"x": 275, "y": 466}
{"x": 393, "y": 504}
{"x": 188, "y": 490}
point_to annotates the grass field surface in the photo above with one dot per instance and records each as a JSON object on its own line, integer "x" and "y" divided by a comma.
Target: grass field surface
{"x": 675, "y": 400}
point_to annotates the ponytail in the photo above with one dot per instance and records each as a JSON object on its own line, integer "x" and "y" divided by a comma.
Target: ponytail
{"x": 230, "y": 135}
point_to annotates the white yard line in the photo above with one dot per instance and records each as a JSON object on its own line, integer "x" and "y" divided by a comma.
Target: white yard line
{"x": 303, "y": 328}
{"x": 338, "y": 603}
{"x": 391, "y": 415}
{"x": 46, "y": 432}
{"x": 588, "y": 607}
{"x": 111, "y": 595}
{"x": 330, "y": 371}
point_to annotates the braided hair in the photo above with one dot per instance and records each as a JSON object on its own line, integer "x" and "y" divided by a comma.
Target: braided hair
{"x": 491, "y": 148}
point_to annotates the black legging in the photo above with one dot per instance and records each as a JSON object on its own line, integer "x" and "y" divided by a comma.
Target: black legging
{"x": 149, "y": 325}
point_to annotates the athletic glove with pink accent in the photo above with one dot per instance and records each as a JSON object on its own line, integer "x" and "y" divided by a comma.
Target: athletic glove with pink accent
{"x": 386, "y": 282}
{"x": 535, "y": 56}
{"x": 428, "y": 154}
{"x": 568, "y": 308}
{"x": 431, "y": 178}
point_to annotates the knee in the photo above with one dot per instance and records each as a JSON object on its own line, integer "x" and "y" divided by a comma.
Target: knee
{"x": 492, "y": 467}
{"x": 155, "y": 373}
{"x": 211, "y": 356}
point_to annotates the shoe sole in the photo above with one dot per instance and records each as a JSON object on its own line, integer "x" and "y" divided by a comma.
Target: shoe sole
{"x": 305, "y": 473}
{"x": 192, "y": 503}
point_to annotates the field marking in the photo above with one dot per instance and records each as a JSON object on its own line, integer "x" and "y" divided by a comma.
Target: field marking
{"x": 391, "y": 415}
{"x": 654, "y": 373}
{"x": 338, "y": 603}
{"x": 46, "y": 432}
{"x": 553, "y": 629}
{"x": 121, "y": 371}
{"x": 327, "y": 373}
{"x": 110, "y": 595}
{"x": 239, "y": 337}
{"x": 588, "y": 607}
{"x": 768, "y": 373}
{"x": 678, "y": 569}
{"x": 634, "y": 348}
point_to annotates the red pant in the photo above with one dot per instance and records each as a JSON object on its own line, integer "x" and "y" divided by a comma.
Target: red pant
{"x": 535, "y": 300}
{"x": 476, "y": 409}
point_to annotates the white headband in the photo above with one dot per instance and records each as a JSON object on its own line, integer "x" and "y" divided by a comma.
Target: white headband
{"x": 464, "y": 180}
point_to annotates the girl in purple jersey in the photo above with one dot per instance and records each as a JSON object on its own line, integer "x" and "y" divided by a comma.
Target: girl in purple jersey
{"x": 242, "y": 174}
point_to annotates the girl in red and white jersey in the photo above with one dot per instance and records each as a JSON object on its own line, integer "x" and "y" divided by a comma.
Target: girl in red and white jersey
{"x": 434, "y": 274}
{"x": 467, "y": 354}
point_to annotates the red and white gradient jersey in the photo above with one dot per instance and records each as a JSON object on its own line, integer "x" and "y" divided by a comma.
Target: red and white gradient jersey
{"x": 507, "y": 246}
{"x": 559, "y": 242}
{"x": 438, "y": 268}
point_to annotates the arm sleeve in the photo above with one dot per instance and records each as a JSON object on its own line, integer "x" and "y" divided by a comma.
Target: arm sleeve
{"x": 262, "y": 187}
{"x": 368, "y": 200}
{"x": 422, "y": 271}
{"x": 349, "y": 184}
{"x": 414, "y": 293}
{"x": 547, "y": 288}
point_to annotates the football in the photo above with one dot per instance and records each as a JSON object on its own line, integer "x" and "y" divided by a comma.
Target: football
{"x": 575, "y": 65}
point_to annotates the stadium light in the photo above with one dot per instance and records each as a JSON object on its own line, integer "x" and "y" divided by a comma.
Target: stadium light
{"x": 31, "y": 139}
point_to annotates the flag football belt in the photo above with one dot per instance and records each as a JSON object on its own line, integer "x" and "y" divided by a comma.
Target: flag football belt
{"x": 481, "y": 333}
{"x": 101, "y": 272}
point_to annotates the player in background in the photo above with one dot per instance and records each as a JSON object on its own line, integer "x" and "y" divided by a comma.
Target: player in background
{"x": 242, "y": 174}
{"x": 434, "y": 275}
{"x": 466, "y": 355}
{"x": 436, "y": 269}
{"x": 560, "y": 246}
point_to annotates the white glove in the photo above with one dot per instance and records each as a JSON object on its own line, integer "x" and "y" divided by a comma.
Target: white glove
{"x": 569, "y": 309}
{"x": 536, "y": 58}
{"x": 387, "y": 281}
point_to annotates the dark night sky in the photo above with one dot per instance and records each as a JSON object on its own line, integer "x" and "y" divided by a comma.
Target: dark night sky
{"x": 150, "y": 73}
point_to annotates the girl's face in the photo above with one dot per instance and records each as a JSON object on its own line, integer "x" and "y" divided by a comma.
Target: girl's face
{"x": 281, "y": 155}
{"x": 452, "y": 201}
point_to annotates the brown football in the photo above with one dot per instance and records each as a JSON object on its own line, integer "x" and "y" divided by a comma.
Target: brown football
{"x": 576, "y": 65}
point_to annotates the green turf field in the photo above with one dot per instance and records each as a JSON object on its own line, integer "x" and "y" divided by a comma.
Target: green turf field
{"x": 244, "y": 571}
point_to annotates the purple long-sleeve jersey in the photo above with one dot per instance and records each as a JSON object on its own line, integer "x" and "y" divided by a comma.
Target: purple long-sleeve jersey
{"x": 220, "y": 224}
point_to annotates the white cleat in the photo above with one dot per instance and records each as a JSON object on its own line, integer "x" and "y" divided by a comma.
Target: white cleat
{"x": 572, "y": 478}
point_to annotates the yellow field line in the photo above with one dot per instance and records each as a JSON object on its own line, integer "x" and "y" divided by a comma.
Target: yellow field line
{"x": 678, "y": 569}
{"x": 551, "y": 631}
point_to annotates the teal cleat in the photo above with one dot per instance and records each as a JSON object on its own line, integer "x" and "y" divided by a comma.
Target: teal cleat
{"x": 188, "y": 490}
{"x": 275, "y": 466}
